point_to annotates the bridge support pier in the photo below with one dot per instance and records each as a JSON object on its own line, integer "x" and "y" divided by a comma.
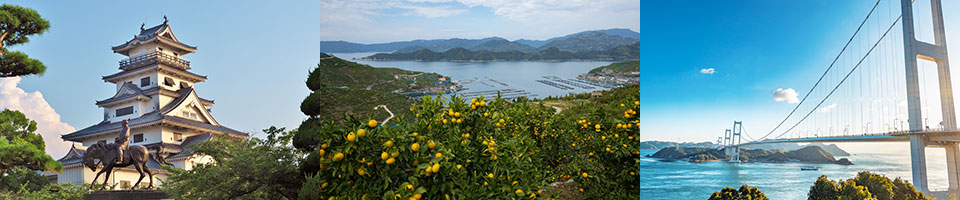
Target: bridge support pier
{"x": 918, "y": 161}
{"x": 953, "y": 165}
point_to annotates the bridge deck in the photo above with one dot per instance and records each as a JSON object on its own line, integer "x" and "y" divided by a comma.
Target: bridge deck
{"x": 899, "y": 136}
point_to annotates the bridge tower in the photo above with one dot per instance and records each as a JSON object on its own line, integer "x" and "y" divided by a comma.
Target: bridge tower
{"x": 726, "y": 137}
{"x": 914, "y": 49}
{"x": 735, "y": 140}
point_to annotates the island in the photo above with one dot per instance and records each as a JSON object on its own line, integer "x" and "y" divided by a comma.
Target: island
{"x": 810, "y": 154}
{"x": 619, "y": 53}
{"x": 621, "y": 73}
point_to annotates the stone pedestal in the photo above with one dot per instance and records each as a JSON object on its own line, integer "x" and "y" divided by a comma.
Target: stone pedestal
{"x": 125, "y": 194}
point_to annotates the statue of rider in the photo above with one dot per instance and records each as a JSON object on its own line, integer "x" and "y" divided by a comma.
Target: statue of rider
{"x": 122, "y": 140}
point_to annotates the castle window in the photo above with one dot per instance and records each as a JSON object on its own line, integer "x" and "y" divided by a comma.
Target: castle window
{"x": 144, "y": 82}
{"x": 168, "y": 81}
{"x": 125, "y": 111}
{"x": 178, "y": 137}
{"x": 159, "y": 48}
{"x": 137, "y": 138}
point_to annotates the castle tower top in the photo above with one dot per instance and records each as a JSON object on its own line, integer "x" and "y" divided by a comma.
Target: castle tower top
{"x": 157, "y": 38}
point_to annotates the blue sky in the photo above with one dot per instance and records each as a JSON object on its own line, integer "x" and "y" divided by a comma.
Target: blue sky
{"x": 257, "y": 54}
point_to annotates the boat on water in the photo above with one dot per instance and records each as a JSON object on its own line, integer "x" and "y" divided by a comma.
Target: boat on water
{"x": 809, "y": 168}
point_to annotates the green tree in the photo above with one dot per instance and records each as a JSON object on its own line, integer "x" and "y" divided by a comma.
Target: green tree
{"x": 59, "y": 191}
{"x": 879, "y": 186}
{"x": 20, "y": 177}
{"x": 850, "y": 190}
{"x": 745, "y": 192}
{"x": 16, "y": 23}
{"x": 905, "y": 191}
{"x": 20, "y": 146}
{"x": 241, "y": 169}
{"x": 824, "y": 189}
{"x": 865, "y": 185}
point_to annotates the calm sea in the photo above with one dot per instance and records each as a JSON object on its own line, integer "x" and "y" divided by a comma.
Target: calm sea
{"x": 673, "y": 180}
{"x": 684, "y": 180}
{"x": 518, "y": 76}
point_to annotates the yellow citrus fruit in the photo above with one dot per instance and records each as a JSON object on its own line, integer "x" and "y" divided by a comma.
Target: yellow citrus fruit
{"x": 435, "y": 168}
{"x": 372, "y": 123}
{"x": 322, "y": 152}
{"x": 390, "y": 161}
{"x": 636, "y": 103}
{"x": 324, "y": 146}
{"x": 351, "y": 137}
{"x": 596, "y": 126}
{"x": 395, "y": 154}
{"x": 485, "y": 114}
{"x": 431, "y": 144}
{"x": 415, "y": 147}
{"x": 459, "y": 166}
{"x": 338, "y": 157}
{"x": 361, "y": 132}
{"x": 361, "y": 172}
{"x": 389, "y": 143}
{"x": 519, "y": 191}
{"x": 438, "y": 155}
{"x": 490, "y": 175}
{"x": 584, "y": 174}
{"x": 384, "y": 155}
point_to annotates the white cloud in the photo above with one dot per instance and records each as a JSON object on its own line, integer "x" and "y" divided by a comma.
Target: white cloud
{"x": 37, "y": 109}
{"x": 828, "y": 108}
{"x": 432, "y": 11}
{"x": 707, "y": 71}
{"x": 522, "y": 9}
{"x": 788, "y": 95}
{"x": 429, "y": 1}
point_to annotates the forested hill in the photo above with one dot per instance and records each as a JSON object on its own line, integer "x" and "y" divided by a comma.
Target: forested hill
{"x": 585, "y": 41}
{"x": 619, "y": 53}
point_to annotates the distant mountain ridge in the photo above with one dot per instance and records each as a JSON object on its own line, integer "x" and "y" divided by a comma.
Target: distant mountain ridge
{"x": 596, "y": 40}
{"x": 665, "y": 144}
{"x": 832, "y": 148}
{"x": 619, "y": 53}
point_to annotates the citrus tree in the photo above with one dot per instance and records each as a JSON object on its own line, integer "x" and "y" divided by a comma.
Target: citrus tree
{"x": 452, "y": 149}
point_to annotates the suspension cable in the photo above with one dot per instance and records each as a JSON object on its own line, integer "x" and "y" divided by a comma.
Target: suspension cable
{"x": 825, "y": 72}
{"x": 845, "y": 77}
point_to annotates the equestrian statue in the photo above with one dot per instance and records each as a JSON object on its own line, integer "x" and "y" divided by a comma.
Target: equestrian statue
{"x": 121, "y": 154}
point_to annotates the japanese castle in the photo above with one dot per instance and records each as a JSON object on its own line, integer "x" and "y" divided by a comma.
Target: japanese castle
{"x": 155, "y": 93}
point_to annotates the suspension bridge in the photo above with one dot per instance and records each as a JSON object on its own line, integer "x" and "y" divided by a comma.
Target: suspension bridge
{"x": 890, "y": 82}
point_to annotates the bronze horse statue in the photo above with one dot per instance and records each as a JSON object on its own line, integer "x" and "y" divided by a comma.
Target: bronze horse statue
{"x": 107, "y": 155}
{"x": 135, "y": 155}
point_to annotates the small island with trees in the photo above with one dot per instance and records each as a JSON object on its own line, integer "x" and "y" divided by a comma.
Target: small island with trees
{"x": 810, "y": 154}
